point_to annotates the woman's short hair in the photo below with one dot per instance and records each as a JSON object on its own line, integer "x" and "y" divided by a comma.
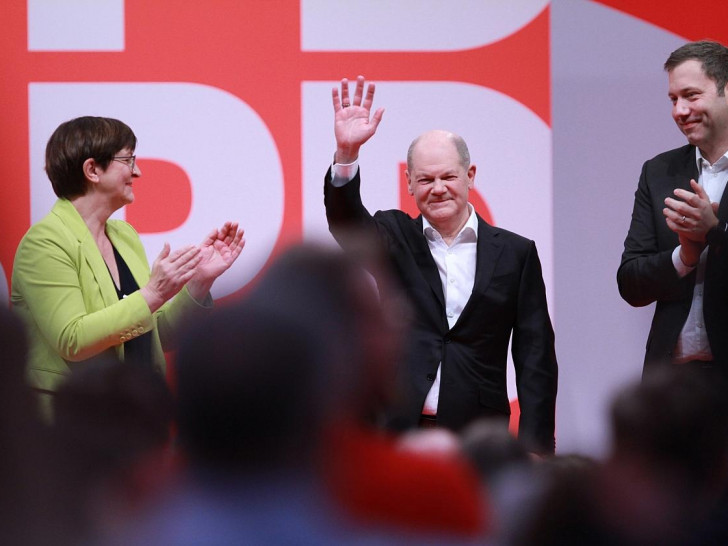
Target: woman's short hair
{"x": 77, "y": 140}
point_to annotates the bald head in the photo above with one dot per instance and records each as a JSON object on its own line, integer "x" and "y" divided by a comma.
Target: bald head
{"x": 438, "y": 137}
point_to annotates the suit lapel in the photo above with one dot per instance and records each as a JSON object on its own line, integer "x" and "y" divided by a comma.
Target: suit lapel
{"x": 139, "y": 269}
{"x": 678, "y": 175}
{"x": 425, "y": 262}
{"x": 723, "y": 206}
{"x": 689, "y": 171}
{"x": 70, "y": 217}
{"x": 489, "y": 251}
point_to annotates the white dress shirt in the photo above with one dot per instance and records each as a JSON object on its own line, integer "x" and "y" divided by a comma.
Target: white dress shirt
{"x": 692, "y": 343}
{"x": 456, "y": 264}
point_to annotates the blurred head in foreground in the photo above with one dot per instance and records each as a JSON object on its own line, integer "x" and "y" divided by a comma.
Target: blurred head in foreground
{"x": 667, "y": 469}
{"x": 259, "y": 380}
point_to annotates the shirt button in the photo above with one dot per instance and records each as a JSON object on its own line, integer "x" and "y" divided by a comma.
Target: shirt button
{"x": 430, "y": 376}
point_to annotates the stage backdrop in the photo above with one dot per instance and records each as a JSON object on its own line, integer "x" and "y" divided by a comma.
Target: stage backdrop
{"x": 559, "y": 101}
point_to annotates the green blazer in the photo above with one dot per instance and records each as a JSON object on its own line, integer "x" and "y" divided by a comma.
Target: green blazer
{"x": 63, "y": 290}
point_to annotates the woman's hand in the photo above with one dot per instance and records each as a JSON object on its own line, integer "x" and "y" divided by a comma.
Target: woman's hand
{"x": 219, "y": 251}
{"x": 170, "y": 272}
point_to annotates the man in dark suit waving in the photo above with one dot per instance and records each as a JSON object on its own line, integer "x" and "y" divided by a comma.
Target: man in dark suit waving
{"x": 472, "y": 286}
{"x": 676, "y": 251}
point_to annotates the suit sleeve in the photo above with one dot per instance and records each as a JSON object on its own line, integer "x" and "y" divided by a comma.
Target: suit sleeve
{"x": 646, "y": 273}
{"x": 56, "y": 292}
{"x": 345, "y": 211}
{"x": 182, "y": 309}
{"x": 534, "y": 358}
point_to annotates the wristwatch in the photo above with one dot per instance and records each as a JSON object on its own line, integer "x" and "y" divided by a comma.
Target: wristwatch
{"x": 715, "y": 235}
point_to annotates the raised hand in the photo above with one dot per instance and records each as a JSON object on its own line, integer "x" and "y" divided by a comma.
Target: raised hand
{"x": 170, "y": 272}
{"x": 353, "y": 122}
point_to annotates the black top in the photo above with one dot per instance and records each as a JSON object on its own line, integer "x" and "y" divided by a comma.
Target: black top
{"x": 138, "y": 349}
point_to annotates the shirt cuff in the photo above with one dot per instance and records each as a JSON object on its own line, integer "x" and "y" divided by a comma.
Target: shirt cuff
{"x": 343, "y": 173}
{"x": 680, "y": 267}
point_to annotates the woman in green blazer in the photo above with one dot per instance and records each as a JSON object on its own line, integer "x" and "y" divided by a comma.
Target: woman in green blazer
{"x": 81, "y": 281}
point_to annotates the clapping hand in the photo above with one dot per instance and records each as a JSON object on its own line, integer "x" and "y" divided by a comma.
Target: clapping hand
{"x": 170, "y": 272}
{"x": 220, "y": 249}
{"x": 691, "y": 216}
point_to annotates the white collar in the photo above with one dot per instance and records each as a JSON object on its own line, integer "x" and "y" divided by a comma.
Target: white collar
{"x": 471, "y": 224}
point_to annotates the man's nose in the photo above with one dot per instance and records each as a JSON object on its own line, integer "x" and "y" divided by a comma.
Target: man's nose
{"x": 680, "y": 108}
{"x": 439, "y": 186}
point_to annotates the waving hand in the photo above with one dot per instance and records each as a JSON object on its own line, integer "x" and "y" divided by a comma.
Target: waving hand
{"x": 353, "y": 122}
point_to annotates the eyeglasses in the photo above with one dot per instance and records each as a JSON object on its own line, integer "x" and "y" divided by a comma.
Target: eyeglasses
{"x": 128, "y": 160}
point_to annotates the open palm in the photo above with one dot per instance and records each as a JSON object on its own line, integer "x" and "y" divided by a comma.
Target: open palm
{"x": 354, "y": 123}
{"x": 219, "y": 251}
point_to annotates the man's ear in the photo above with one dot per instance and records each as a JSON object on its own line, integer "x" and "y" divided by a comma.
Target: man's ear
{"x": 410, "y": 190}
{"x": 471, "y": 176}
{"x": 91, "y": 170}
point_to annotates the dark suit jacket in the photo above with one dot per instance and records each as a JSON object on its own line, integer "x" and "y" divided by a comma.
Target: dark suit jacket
{"x": 508, "y": 297}
{"x": 647, "y": 274}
